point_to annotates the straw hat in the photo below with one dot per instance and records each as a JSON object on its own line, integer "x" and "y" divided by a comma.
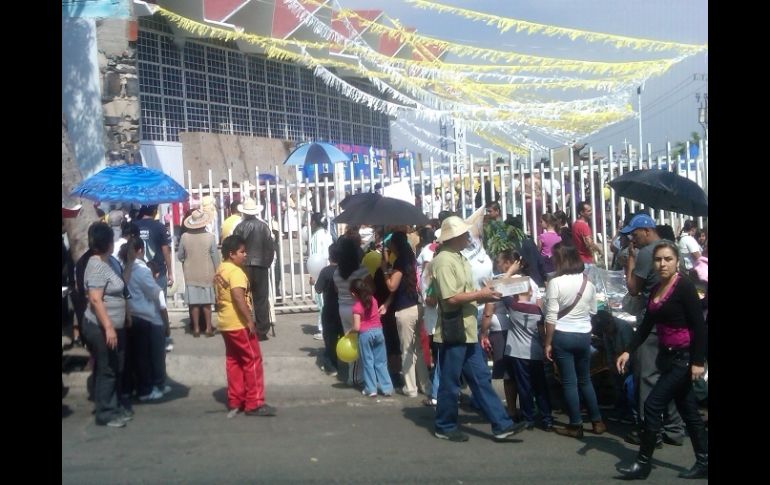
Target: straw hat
{"x": 250, "y": 207}
{"x": 197, "y": 219}
{"x": 451, "y": 228}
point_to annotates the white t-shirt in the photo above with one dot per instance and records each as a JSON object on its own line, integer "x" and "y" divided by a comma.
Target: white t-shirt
{"x": 688, "y": 245}
{"x": 560, "y": 293}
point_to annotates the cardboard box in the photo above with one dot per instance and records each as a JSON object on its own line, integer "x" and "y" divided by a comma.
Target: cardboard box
{"x": 511, "y": 286}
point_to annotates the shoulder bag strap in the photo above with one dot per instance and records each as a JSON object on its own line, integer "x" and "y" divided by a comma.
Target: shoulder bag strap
{"x": 566, "y": 311}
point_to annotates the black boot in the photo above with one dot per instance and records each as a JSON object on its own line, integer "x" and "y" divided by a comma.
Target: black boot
{"x": 640, "y": 469}
{"x": 700, "y": 469}
{"x": 701, "y": 447}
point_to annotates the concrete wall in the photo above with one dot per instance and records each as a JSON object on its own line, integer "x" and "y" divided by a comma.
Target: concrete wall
{"x": 204, "y": 151}
{"x": 120, "y": 88}
{"x": 81, "y": 95}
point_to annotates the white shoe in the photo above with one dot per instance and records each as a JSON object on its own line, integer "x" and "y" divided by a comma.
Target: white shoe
{"x": 153, "y": 396}
{"x": 169, "y": 344}
{"x": 318, "y": 336}
{"x": 164, "y": 390}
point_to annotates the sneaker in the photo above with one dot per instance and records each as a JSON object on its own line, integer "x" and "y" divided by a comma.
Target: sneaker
{"x": 169, "y": 344}
{"x": 163, "y": 390}
{"x": 152, "y": 396}
{"x": 369, "y": 394}
{"x": 114, "y": 423}
{"x": 511, "y": 430}
{"x": 430, "y": 402}
{"x": 331, "y": 371}
{"x": 126, "y": 415}
{"x": 456, "y": 435}
{"x": 263, "y": 410}
{"x": 318, "y": 336}
{"x": 233, "y": 413}
{"x": 407, "y": 394}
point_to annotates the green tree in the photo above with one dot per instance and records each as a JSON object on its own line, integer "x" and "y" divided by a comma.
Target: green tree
{"x": 680, "y": 146}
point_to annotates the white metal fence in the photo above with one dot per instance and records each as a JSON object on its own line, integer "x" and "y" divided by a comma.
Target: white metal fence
{"x": 514, "y": 182}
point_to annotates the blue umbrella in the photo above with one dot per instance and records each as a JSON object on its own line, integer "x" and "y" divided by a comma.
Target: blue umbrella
{"x": 316, "y": 153}
{"x": 131, "y": 184}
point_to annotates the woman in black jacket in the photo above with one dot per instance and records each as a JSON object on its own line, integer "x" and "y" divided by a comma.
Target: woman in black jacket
{"x": 676, "y": 311}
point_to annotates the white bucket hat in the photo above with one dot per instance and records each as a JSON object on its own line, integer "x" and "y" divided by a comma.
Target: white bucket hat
{"x": 451, "y": 228}
{"x": 250, "y": 207}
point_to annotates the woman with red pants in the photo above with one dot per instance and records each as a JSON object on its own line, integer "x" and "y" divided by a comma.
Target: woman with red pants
{"x": 676, "y": 311}
{"x": 245, "y": 378}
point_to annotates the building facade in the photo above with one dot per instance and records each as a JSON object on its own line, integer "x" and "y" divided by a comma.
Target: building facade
{"x": 207, "y": 85}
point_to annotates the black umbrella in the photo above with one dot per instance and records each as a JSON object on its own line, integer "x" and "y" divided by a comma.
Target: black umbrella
{"x": 354, "y": 199}
{"x": 663, "y": 190}
{"x": 376, "y": 210}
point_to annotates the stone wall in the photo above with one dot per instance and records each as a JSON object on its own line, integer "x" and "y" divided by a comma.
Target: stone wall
{"x": 116, "y": 45}
{"x": 218, "y": 152}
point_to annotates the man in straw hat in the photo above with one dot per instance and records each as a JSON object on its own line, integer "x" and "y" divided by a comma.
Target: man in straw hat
{"x": 260, "y": 253}
{"x": 459, "y": 349}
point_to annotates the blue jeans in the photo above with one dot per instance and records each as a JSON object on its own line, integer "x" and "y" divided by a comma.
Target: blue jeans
{"x": 468, "y": 360}
{"x": 530, "y": 382}
{"x": 371, "y": 347}
{"x": 572, "y": 352}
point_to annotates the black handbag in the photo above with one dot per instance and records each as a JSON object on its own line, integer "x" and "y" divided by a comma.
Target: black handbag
{"x": 452, "y": 326}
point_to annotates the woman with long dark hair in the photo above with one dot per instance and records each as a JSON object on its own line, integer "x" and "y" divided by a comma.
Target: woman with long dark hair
{"x": 403, "y": 299}
{"x": 675, "y": 309}
{"x": 570, "y": 300}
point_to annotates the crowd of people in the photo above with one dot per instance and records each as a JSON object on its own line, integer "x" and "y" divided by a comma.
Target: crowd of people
{"x": 439, "y": 280}
{"x": 424, "y": 306}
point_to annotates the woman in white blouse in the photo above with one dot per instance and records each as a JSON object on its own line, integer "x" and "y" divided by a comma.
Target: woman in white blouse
{"x": 570, "y": 302}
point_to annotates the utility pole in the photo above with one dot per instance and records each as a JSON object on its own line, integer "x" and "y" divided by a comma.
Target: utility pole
{"x": 639, "y": 97}
{"x": 703, "y": 119}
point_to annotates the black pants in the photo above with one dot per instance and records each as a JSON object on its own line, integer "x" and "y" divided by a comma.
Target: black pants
{"x": 332, "y": 331}
{"x": 140, "y": 355}
{"x": 675, "y": 384}
{"x": 258, "y": 279}
{"x": 108, "y": 365}
{"x": 646, "y": 375}
{"x": 148, "y": 355}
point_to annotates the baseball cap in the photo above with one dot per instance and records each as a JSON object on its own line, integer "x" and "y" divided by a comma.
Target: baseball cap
{"x": 639, "y": 221}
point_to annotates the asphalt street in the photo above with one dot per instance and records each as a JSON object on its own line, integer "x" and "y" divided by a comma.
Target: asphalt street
{"x": 325, "y": 432}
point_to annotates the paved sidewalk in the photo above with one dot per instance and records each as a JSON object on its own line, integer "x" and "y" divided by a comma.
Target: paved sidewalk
{"x": 291, "y": 358}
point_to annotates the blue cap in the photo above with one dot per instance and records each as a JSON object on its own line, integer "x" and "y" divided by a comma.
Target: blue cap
{"x": 639, "y": 221}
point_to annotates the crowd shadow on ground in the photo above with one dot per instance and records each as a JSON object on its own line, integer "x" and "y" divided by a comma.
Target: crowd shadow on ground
{"x": 424, "y": 417}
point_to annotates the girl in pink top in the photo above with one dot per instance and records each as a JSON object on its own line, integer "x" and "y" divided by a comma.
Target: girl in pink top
{"x": 548, "y": 239}
{"x": 371, "y": 340}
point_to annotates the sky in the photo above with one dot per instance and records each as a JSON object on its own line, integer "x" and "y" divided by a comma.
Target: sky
{"x": 669, "y": 106}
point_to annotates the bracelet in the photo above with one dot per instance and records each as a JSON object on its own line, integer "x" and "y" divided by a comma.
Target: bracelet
{"x": 487, "y": 315}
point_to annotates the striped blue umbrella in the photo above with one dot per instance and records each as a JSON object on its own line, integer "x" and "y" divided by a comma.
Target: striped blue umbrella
{"x": 131, "y": 184}
{"x": 316, "y": 153}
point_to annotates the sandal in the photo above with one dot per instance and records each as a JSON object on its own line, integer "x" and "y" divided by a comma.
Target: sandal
{"x": 196, "y": 334}
{"x": 209, "y": 333}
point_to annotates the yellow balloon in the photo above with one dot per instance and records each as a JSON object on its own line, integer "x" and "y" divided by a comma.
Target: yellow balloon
{"x": 347, "y": 348}
{"x": 607, "y": 193}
